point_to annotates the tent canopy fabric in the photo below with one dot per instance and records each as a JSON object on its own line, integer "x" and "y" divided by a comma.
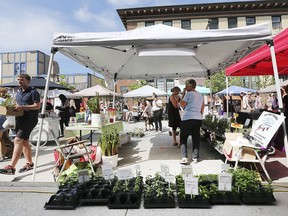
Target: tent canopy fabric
{"x": 259, "y": 62}
{"x": 235, "y": 90}
{"x": 54, "y": 93}
{"x": 161, "y": 51}
{"x": 36, "y": 82}
{"x": 90, "y": 92}
{"x": 201, "y": 89}
{"x": 145, "y": 91}
{"x": 272, "y": 88}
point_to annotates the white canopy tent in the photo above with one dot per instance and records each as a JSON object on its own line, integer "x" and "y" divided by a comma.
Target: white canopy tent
{"x": 156, "y": 52}
{"x": 145, "y": 91}
{"x": 90, "y": 92}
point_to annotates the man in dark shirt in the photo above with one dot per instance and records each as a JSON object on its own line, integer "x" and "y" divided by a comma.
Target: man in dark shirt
{"x": 28, "y": 100}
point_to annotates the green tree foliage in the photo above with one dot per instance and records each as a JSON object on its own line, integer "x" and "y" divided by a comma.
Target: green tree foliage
{"x": 64, "y": 83}
{"x": 218, "y": 81}
{"x": 134, "y": 86}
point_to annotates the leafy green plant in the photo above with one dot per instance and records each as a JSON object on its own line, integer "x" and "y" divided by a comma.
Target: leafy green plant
{"x": 109, "y": 142}
{"x": 94, "y": 104}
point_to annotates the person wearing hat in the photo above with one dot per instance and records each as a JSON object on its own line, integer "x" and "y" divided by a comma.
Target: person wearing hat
{"x": 191, "y": 122}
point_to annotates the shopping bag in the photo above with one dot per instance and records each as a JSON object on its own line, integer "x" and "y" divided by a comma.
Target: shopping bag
{"x": 9, "y": 123}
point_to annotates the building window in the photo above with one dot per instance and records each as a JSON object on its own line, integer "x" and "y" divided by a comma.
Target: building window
{"x": 168, "y": 23}
{"x": 250, "y": 21}
{"x": 232, "y": 22}
{"x": 186, "y": 24}
{"x": 16, "y": 69}
{"x": 169, "y": 85}
{"x": 161, "y": 84}
{"x": 276, "y": 22}
{"x": 19, "y": 68}
{"x": 22, "y": 68}
{"x": 149, "y": 24}
{"x": 124, "y": 89}
{"x": 214, "y": 23}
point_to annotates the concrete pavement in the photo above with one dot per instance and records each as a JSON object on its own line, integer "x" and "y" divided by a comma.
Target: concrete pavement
{"x": 149, "y": 152}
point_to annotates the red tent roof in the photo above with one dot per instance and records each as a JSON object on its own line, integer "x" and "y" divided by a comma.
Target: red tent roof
{"x": 259, "y": 62}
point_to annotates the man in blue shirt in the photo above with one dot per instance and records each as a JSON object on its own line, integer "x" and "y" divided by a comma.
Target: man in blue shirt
{"x": 28, "y": 100}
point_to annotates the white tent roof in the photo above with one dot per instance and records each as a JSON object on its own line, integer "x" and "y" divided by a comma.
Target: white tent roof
{"x": 163, "y": 50}
{"x": 144, "y": 91}
{"x": 56, "y": 92}
{"x": 89, "y": 92}
{"x": 272, "y": 88}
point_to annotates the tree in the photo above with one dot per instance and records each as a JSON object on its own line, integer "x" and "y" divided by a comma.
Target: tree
{"x": 64, "y": 83}
{"x": 134, "y": 86}
{"x": 218, "y": 81}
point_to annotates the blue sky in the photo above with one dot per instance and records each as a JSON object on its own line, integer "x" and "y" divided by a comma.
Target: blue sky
{"x": 30, "y": 24}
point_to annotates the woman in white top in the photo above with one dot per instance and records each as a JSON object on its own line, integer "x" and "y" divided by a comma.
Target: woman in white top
{"x": 191, "y": 122}
{"x": 157, "y": 109}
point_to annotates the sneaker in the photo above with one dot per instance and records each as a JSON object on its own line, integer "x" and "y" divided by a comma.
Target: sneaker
{"x": 184, "y": 161}
{"x": 194, "y": 161}
{"x": 26, "y": 167}
{"x": 8, "y": 170}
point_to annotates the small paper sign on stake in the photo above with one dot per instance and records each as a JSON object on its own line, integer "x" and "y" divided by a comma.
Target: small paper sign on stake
{"x": 83, "y": 176}
{"x": 224, "y": 182}
{"x": 191, "y": 186}
{"x": 107, "y": 171}
{"x": 124, "y": 174}
{"x": 187, "y": 171}
{"x": 169, "y": 178}
{"x": 164, "y": 169}
{"x": 137, "y": 168}
{"x": 225, "y": 167}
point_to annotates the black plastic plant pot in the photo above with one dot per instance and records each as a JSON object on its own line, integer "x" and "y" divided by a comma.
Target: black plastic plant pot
{"x": 159, "y": 203}
{"x": 257, "y": 198}
{"x": 129, "y": 200}
{"x": 227, "y": 198}
{"x": 60, "y": 203}
{"x": 196, "y": 202}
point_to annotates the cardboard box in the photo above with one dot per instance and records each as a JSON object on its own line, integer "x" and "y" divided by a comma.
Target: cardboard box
{"x": 232, "y": 146}
{"x": 8, "y": 111}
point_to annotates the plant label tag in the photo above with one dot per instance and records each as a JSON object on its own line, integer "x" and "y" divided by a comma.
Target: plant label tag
{"x": 187, "y": 170}
{"x": 225, "y": 167}
{"x": 191, "y": 186}
{"x": 247, "y": 122}
{"x": 124, "y": 174}
{"x": 137, "y": 168}
{"x": 169, "y": 178}
{"x": 107, "y": 171}
{"x": 83, "y": 176}
{"x": 224, "y": 182}
{"x": 213, "y": 118}
{"x": 164, "y": 169}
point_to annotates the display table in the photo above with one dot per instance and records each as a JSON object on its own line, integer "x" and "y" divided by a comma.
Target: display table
{"x": 79, "y": 128}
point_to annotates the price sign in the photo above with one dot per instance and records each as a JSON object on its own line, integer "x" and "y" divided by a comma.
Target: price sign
{"x": 169, "y": 178}
{"x": 224, "y": 182}
{"x": 187, "y": 170}
{"x": 107, "y": 171}
{"x": 164, "y": 170}
{"x": 83, "y": 176}
{"x": 225, "y": 167}
{"x": 191, "y": 186}
{"x": 123, "y": 174}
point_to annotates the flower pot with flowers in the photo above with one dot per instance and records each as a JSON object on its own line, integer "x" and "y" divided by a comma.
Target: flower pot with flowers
{"x": 97, "y": 118}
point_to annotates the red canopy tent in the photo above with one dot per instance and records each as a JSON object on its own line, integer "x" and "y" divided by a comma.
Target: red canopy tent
{"x": 259, "y": 62}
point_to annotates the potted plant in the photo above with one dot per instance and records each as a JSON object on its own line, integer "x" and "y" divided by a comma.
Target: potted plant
{"x": 109, "y": 143}
{"x": 97, "y": 119}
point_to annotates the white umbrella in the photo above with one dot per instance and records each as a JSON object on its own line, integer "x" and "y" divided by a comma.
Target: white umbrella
{"x": 90, "y": 92}
{"x": 145, "y": 91}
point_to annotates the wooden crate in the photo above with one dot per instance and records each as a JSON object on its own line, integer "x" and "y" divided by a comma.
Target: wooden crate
{"x": 8, "y": 111}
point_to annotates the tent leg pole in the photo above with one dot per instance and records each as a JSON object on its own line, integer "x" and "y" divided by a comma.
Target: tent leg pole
{"x": 53, "y": 51}
{"x": 227, "y": 102}
{"x": 279, "y": 96}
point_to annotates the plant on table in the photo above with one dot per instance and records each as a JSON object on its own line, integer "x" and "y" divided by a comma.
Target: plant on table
{"x": 109, "y": 142}
{"x": 94, "y": 104}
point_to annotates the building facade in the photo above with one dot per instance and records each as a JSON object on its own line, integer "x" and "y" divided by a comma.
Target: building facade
{"x": 209, "y": 16}
{"x": 34, "y": 63}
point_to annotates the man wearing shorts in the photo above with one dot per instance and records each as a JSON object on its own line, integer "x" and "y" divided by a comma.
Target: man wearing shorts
{"x": 28, "y": 100}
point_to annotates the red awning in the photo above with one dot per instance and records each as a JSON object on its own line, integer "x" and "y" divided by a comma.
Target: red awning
{"x": 259, "y": 62}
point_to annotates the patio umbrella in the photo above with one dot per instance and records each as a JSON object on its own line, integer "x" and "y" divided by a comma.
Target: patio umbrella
{"x": 36, "y": 82}
{"x": 90, "y": 92}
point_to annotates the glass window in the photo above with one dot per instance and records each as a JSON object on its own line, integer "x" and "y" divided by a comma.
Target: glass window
{"x": 168, "y": 23}
{"x": 186, "y": 24}
{"x": 214, "y": 23}
{"x": 276, "y": 22}
{"x": 149, "y": 24}
{"x": 250, "y": 21}
{"x": 22, "y": 67}
{"x": 16, "y": 69}
{"x": 123, "y": 89}
{"x": 169, "y": 84}
{"x": 161, "y": 85}
{"x": 232, "y": 22}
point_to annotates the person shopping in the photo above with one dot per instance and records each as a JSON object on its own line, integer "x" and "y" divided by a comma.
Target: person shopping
{"x": 28, "y": 100}
{"x": 157, "y": 109}
{"x": 63, "y": 113}
{"x": 191, "y": 122}
{"x": 174, "y": 119}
